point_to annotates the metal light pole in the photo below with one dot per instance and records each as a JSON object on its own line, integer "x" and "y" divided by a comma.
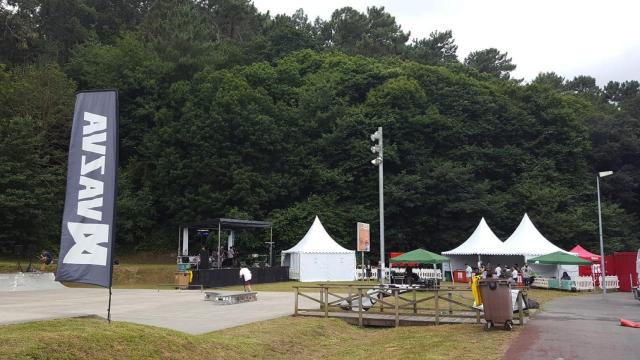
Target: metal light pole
{"x": 379, "y": 161}
{"x": 603, "y": 273}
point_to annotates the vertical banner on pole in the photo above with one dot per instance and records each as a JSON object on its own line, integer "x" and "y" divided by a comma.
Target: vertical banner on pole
{"x": 364, "y": 241}
{"x": 88, "y": 222}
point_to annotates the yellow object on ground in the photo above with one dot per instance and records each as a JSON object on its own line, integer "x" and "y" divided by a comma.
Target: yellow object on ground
{"x": 190, "y": 276}
{"x": 475, "y": 289}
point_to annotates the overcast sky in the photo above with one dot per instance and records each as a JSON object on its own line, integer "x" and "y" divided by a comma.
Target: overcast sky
{"x": 571, "y": 37}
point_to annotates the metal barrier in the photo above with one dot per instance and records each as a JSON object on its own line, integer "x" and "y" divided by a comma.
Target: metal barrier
{"x": 540, "y": 283}
{"x": 582, "y": 283}
{"x": 611, "y": 282}
{"x": 422, "y": 273}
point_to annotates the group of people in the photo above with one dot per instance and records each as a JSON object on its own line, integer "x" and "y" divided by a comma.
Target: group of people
{"x": 498, "y": 272}
{"x": 227, "y": 258}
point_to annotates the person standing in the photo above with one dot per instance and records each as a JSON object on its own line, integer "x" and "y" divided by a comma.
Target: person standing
{"x": 45, "y": 259}
{"x": 498, "y": 271}
{"x": 231, "y": 254}
{"x": 514, "y": 274}
{"x": 204, "y": 258}
{"x": 469, "y": 273}
{"x": 525, "y": 274}
{"x": 245, "y": 275}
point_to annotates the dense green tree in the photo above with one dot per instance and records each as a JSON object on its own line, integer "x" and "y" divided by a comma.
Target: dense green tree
{"x": 35, "y": 112}
{"x": 374, "y": 33}
{"x": 19, "y": 34}
{"x": 438, "y": 49}
{"x": 491, "y": 61}
{"x": 620, "y": 92}
{"x": 551, "y": 79}
{"x": 225, "y": 111}
{"x": 584, "y": 85}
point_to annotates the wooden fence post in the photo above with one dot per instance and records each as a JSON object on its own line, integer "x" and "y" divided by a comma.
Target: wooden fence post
{"x": 350, "y": 301}
{"x": 415, "y": 305}
{"x": 437, "y": 307}
{"x": 397, "y": 309}
{"x": 449, "y": 296}
{"x": 326, "y": 302}
{"x": 295, "y": 309}
{"x": 360, "y": 307}
{"x": 321, "y": 298}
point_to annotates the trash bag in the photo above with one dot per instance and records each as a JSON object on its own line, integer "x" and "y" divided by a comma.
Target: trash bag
{"x": 532, "y": 304}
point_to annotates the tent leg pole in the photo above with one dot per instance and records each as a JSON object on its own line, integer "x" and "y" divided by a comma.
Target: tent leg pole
{"x": 453, "y": 281}
{"x": 219, "y": 231}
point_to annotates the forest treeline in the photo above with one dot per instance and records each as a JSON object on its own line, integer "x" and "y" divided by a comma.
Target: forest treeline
{"x": 229, "y": 112}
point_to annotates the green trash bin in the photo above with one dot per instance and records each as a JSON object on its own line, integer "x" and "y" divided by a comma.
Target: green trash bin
{"x": 496, "y": 303}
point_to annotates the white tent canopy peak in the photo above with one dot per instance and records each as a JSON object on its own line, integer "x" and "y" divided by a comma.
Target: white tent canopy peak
{"x": 482, "y": 241}
{"x": 528, "y": 241}
{"x": 317, "y": 240}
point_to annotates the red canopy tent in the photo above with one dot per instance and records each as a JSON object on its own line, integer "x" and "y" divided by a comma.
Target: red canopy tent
{"x": 587, "y": 255}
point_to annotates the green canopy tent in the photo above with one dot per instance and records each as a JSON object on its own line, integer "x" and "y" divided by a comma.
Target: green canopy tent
{"x": 559, "y": 258}
{"x": 420, "y": 256}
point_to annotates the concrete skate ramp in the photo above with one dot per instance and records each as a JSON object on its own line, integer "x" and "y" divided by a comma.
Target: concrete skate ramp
{"x": 28, "y": 282}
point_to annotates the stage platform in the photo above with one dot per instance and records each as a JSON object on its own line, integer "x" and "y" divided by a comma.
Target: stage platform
{"x": 212, "y": 278}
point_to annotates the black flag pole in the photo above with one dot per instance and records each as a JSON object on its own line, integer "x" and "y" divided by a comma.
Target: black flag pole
{"x": 115, "y": 205}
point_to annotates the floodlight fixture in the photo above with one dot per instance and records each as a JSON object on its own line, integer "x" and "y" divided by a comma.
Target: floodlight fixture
{"x": 605, "y": 173}
{"x": 375, "y": 136}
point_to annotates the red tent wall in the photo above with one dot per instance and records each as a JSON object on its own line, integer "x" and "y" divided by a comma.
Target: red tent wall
{"x": 610, "y": 265}
{"x": 625, "y": 268}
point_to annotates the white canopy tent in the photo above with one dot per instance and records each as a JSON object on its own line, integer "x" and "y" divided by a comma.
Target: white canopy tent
{"x": 317, "y": 257}
{"x": 528, "y": 242}
{"x": 483, "y": 245}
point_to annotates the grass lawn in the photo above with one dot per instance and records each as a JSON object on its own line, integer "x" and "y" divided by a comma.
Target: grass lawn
{"x": 286, "y": 337}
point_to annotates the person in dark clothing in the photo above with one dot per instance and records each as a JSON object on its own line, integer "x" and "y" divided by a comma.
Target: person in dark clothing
{"x": 204, "y": 258}
{"x": 565, "y": 276}
{"x": 45, "y": 259}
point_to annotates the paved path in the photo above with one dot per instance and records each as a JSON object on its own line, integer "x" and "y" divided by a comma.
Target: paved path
{"x": 584, "y": 327}
{"x": 179, "y": 310}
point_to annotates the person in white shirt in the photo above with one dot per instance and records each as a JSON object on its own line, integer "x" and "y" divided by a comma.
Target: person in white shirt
{"x": 498, "y": 271}
{"x": 245, "y": 275}
{"x": 469, "y": 273}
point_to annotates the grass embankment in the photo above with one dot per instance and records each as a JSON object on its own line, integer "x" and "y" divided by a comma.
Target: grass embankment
{"x": 134, "y": 272}
{"x": 287, "y": 337}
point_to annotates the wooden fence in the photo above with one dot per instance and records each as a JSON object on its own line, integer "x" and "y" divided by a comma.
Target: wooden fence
{"x": 391, "y": 306}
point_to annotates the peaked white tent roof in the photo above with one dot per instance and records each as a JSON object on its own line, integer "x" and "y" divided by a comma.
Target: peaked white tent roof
{"x": 317, "y": 240}
{"x": 483, "y": 241}
{"x": 526, "y": 240}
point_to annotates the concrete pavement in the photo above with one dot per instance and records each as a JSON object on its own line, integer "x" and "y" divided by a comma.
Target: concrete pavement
{"x": 584, "y": 327}
{"x": 179, "y": 310}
